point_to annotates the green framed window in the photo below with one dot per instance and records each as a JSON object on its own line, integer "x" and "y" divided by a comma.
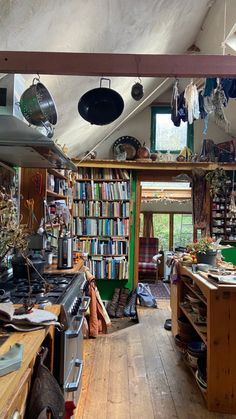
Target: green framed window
{"x": 165, "y": 136}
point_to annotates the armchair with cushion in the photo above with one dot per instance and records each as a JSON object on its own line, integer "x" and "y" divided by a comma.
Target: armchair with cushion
{"x": 148, "y": 258}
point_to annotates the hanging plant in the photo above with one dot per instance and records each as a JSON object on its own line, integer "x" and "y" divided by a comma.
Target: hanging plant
{"x": 216, "y": 181}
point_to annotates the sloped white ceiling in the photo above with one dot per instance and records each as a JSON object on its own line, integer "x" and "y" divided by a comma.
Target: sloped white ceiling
{"x": 112, "y": 26}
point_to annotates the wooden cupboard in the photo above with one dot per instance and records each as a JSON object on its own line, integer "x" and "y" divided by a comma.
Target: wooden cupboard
{"x": 219, "y": 335}
{"x": 14, "y": 387}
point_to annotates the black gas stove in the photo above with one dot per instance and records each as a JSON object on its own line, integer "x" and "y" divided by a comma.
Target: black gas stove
{"x": 51, "y": 289}
{"x": 70, "y": 291}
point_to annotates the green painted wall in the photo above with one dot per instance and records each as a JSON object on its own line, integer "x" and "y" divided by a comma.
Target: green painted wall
{"x": 230, "y": 254}
{"x": 106, "y": 287}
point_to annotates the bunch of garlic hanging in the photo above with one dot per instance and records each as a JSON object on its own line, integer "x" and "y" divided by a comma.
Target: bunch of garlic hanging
{"x": 11, "y": 233}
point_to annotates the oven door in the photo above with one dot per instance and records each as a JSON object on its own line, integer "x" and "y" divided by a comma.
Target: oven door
{"x": 73, "y": 359}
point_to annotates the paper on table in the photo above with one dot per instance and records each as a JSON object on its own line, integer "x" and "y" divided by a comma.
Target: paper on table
{"x": 223, "y": 279}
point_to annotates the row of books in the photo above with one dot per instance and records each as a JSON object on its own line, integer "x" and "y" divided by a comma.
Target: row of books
{"x": 100, "y": 209}
{"x": 100, "y": 227}
{"x": 101, "y": 190}
{"x": 108, "y": 268}
{"x": 102, "y": 173}
{"x": 103, "y": 247}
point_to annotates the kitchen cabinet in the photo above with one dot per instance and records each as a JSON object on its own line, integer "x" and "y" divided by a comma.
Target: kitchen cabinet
{"x": 219, "y": 334}
{"x": 14, "y": 387}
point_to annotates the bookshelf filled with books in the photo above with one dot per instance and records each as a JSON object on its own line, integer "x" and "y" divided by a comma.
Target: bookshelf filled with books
{"x": 101, "y": 221}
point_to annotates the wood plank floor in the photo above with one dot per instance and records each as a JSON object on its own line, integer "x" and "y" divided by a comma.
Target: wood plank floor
{"x": 137, "y": 373}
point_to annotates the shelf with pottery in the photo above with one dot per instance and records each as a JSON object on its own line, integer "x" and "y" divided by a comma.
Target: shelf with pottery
{"x": 14, "y": 387}
{"x": 153, "y": 165}
{"x": 220, "y": 336}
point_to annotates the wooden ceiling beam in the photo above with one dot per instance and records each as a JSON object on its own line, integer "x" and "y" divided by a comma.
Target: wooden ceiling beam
{"x": 113, "y": 65}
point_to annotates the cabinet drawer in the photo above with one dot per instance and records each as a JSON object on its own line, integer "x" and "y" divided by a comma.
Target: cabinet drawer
{"x": 18, "y": 403}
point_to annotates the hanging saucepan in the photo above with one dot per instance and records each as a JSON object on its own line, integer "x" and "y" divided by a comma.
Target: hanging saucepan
{"x": 37, "y": 105}
{"x": 101, "y": 106}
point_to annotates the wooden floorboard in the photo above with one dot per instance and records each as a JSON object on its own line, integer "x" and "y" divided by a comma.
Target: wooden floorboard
{"x": 137, "y": 373}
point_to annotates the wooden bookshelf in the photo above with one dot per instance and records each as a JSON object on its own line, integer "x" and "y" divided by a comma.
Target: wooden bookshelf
{"x": 101, "y": 213}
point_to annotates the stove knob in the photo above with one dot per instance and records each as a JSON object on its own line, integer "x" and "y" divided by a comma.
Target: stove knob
{"x": 74, "y": 309}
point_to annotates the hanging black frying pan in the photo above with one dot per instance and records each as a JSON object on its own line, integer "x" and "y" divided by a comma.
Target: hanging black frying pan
{"x": 101, "y": 106}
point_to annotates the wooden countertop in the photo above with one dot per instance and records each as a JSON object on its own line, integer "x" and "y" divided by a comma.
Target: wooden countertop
{"x": 10, "y": 383}
{"x": 53, "y": 268}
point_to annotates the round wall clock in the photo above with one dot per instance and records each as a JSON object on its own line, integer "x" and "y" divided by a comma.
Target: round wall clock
{"x": 130, "y": 144}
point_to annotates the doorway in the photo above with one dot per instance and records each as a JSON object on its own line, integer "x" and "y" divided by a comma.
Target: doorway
{"x": 164, "y": 212}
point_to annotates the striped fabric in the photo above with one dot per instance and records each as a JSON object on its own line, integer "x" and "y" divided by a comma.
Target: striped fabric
{"x": 148, "y": 247}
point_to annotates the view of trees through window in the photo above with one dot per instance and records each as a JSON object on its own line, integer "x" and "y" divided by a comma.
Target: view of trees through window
{"x": 182, "y": 229}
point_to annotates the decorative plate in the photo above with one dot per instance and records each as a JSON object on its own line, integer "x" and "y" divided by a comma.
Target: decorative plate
{"x": 130, "y": 144}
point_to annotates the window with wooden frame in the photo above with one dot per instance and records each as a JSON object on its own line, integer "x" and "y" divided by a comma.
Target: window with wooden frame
{"x": 165, "y": 136}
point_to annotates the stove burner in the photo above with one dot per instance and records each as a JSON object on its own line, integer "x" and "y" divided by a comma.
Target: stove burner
{"x": 53, "y": 289}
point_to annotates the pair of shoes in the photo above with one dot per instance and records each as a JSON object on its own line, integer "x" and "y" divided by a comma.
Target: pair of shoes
{"x": 113, "y": 304}
{"x": 130, "y": 308}
{"x": 124, "y": 293}
{"x": 167, "y": 324}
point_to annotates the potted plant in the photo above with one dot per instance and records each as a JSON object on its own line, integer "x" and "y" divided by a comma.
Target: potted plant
{"x": 205, "y": 250}
{"x": 12, "y": 236}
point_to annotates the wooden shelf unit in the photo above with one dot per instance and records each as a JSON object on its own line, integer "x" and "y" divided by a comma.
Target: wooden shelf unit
{"x": 221, "y": 226}
{"x": 220, "y": 339}
{"x": 34, "y": 186}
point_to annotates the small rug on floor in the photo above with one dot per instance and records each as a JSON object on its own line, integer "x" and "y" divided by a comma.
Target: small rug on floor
{"x": 160, "y": 290}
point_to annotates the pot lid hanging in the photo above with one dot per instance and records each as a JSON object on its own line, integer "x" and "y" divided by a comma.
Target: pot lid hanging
{"x": 101, "y": 106}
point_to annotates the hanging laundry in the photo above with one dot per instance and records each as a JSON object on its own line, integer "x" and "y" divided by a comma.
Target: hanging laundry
{"x": 229, "y": 87}
{"x": 210, "y": 86}
{"x": 191, "y": 98}
{"x": 202, "y": 110}
{"x": 219, "y": 101}
{"x": 182, "y": 113}
{"x": 174, "y": 105}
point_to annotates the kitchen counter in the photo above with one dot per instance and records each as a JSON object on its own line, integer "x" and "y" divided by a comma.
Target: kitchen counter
{"x": 53, "y": 268}
{"x": 14, "y": 386}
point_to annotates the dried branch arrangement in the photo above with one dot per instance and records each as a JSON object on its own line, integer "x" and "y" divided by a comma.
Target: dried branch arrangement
{"x": 12, "y": 235}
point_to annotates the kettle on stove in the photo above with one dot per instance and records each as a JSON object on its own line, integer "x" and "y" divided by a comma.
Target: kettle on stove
{"x": 65, "y": 252}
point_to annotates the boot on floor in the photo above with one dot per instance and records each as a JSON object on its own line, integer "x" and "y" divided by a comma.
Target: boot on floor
{"x": 124, "y": 293}
{"x": 130, "y": 308}
{"x": 113, "y": 304}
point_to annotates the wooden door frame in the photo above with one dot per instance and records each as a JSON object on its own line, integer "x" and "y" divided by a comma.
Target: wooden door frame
{"x": 148, "y": 176}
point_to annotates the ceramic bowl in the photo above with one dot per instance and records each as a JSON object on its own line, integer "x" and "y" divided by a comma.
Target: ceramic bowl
{"x": 204, "y": 267}
{"x": 196, "y": 347}
{"x": 192, "y": 360}
{"x": 180, "y": 344}
{"x": 202, "y": 384}
{"x": 184, "y": 325}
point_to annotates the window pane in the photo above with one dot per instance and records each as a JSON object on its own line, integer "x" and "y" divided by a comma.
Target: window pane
{"x": 169, "y": 137}
{"x": 183, "y": 229}
{"x": 141, "y": 225}
{"x": 161, "y": 230}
